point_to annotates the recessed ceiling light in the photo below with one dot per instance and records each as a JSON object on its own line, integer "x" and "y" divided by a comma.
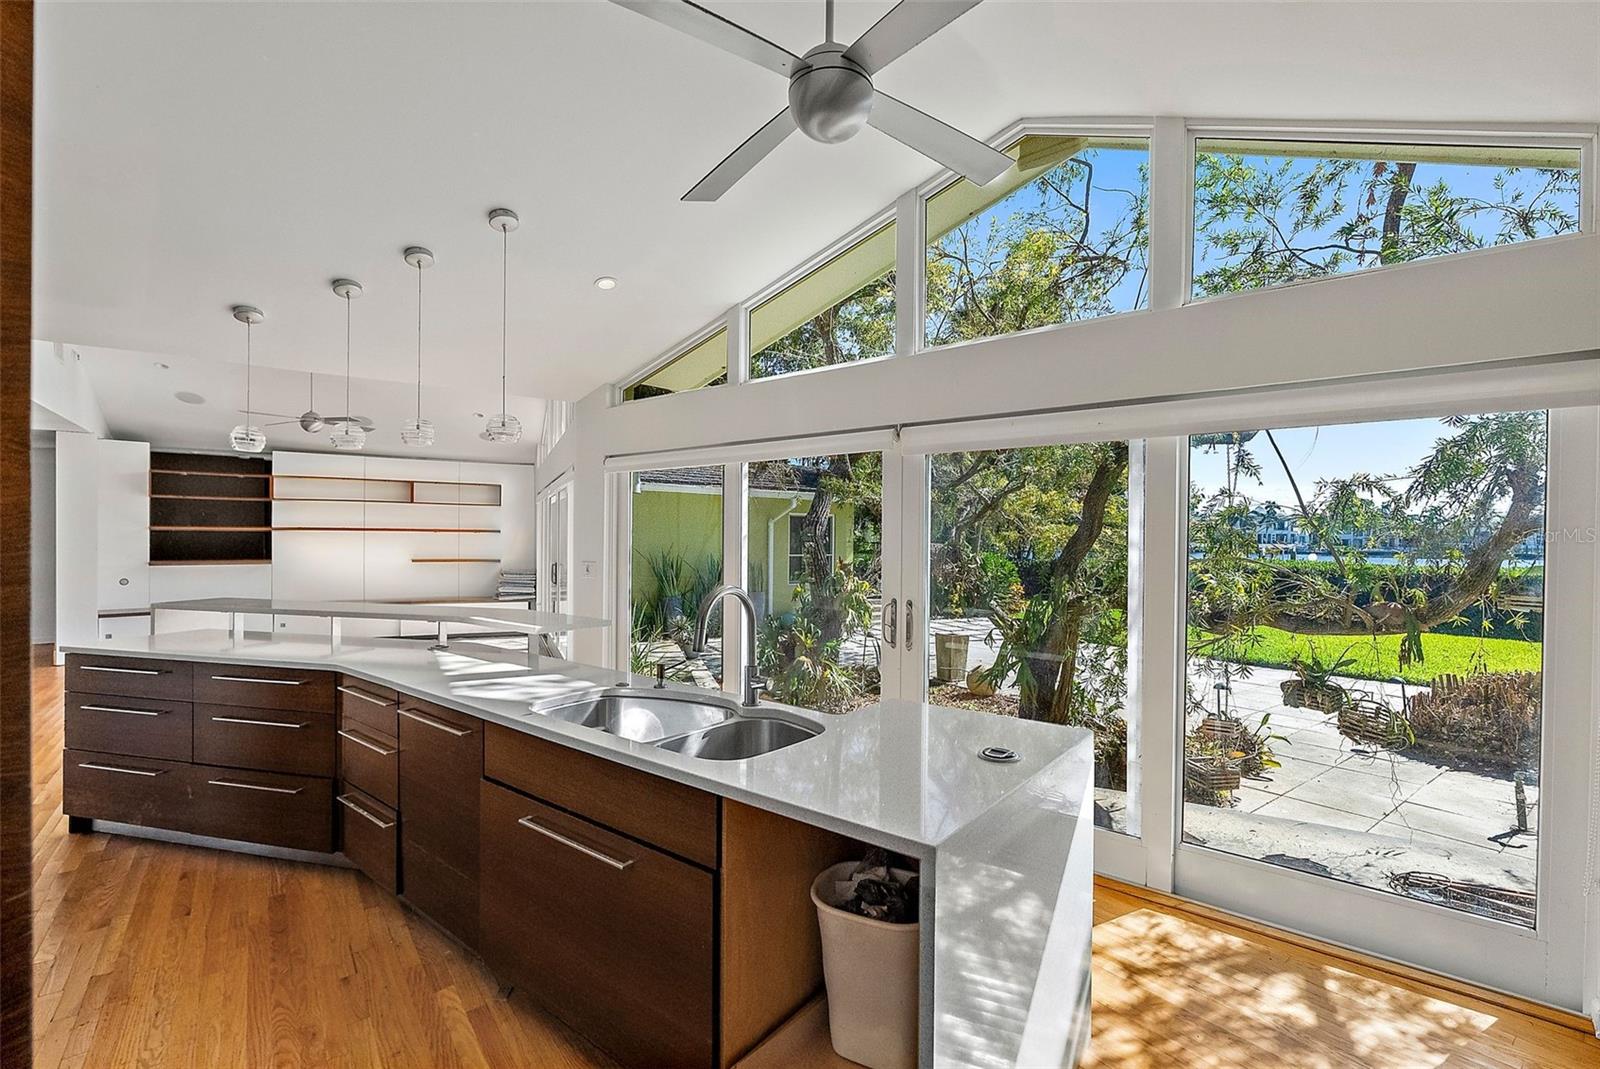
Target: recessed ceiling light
{"x": 189, "y": 398}
{"x": 605, "y": 282}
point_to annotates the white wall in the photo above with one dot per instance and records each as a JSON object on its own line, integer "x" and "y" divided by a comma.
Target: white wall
{"x": 63, "y": 399}
{"x": 42, "y": 542}
{"x": 77, "y": 538}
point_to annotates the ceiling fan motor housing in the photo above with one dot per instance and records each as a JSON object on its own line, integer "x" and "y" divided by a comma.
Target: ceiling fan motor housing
{"x": 830, "y": 96}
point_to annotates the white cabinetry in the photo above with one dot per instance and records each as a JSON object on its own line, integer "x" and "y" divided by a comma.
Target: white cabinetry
{"x": 122, "y": 474}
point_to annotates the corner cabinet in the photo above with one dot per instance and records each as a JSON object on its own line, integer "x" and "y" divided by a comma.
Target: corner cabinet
{"x": 670, "y": 926}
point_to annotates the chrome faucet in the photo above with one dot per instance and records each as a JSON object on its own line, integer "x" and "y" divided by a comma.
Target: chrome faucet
{"x": 752, "y": 682}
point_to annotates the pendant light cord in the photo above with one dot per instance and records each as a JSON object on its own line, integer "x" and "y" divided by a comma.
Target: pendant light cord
{"x": 347, "y": 358}
{"x": 419, "y": 341}
{"x": 247, "y": 412}
{"x": 505, "y": 241}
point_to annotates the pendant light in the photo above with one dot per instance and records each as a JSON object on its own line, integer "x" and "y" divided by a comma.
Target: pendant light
{"x": 418, "y": 432}
{"x": 504, "y": 427}
{"x": 247, "y": 438}
{"x": 350, "y": 435}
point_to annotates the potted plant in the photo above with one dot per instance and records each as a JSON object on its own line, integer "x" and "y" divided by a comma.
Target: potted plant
{"x": 1312, "y": 686}
{"x": 950, "y": 656}
{"x": 867, "y": 911}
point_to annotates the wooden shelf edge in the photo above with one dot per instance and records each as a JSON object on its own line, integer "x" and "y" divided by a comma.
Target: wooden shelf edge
{"x": 244, "y": 561}
{"x": 214, "y": 474}
{"x": 229, "y": 530}
{"x": 208, "y": 497}
{"x": 455, "y": 560}
{"x": 380, "y": 501}
{"x": 400, "y": 530}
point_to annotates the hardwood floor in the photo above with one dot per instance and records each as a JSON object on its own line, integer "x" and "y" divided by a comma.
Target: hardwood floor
{"x": 150, "y": 954}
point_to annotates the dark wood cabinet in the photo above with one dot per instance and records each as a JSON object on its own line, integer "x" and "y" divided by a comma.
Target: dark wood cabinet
{"x": 135, "y": 727}
{"x": 369, "y": 835}
{"x": 367, "y": 705}
{"x": 614, "y": 937}
{"x": 270, "y": 808}
{"x": 129, "y": 790}
{"x": 441, "y": 764}
{"x": 129, "y": 677}
{"x": 299, "y": 742}
{"x": 252, "y": 686}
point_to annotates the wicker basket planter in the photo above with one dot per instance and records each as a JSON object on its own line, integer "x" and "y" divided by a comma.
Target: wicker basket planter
{"x": 1372, "y": 723}
{"x": 1225, "y": 731}
{"x": 1323, "y": 697}
{"x": 1211, "y": 773}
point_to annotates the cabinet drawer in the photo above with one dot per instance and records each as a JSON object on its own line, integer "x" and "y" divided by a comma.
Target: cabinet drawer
{"x": 269, "y": 739}
{"x": 262, "y": 807}
{"x": 258, "y": 687}
{"x": 141, "y": 677}
{"x": 369, "y": 834}
{"x": 444, "y": 894}
{"x": 369, "y": 761}
{"x": 368, "y": 705}
{"x": 137, "y": 727}
{"x": 441, "y": 763}
{"x": 679, "y": 819}
{"x": 133, "y": 790}
{"x": 611, "y": 936}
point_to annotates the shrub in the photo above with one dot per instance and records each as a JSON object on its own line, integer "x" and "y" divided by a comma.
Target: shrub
{"x": 1493, "y": 716}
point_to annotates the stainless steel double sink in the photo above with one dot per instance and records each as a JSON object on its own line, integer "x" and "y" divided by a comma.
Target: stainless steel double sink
{"x": 690, "y": 724}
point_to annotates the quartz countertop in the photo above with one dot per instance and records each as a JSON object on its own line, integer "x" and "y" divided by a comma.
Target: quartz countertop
{"x": 904, "y": 775}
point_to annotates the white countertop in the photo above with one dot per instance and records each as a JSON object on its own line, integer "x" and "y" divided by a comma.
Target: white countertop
{"x": 905, "y": 775}
{"x": 528, "y": 620}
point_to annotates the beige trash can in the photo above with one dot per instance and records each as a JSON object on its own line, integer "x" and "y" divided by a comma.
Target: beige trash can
{"x": 870, "y": 968}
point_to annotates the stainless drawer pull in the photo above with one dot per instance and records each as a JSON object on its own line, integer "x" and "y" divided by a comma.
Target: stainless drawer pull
{"x": 254, "y": 786}
{"x": 115, "y": 709}
{"x": 359, "y": 741}
{"x": 357, "y": 692}
{"x": 616, "y": 863}
{"x": 344, "y": 800}
{"x": 124, "y": 671}
{"x": 255, "y": 679}
{"x": 124, "y": 771}
{"x": 431, "y": 722}
{"x": 256, "y": 723}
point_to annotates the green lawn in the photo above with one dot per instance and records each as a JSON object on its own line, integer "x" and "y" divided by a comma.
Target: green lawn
{"x": 1380, "y": 658}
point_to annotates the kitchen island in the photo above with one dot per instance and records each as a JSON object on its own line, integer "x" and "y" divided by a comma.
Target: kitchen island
{"x": 1004, "y": 848}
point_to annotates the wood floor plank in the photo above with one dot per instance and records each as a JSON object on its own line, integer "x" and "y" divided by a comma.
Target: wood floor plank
{"x": 150, "y": 954}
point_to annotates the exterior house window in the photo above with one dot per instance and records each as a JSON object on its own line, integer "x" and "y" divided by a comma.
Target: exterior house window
{"x": 797, "y": 546}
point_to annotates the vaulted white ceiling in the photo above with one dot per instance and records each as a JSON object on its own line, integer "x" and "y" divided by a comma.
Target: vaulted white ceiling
{"x": 192, "y": 156}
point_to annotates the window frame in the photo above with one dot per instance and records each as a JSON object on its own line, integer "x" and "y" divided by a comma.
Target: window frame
{"x": 795, "y": 555}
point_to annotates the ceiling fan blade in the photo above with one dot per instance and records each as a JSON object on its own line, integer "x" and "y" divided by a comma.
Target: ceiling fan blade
{"x": 715, "y": 30}
{"x": 908, "y": 24}
{"x": 742, "y": 159}
{"x": 938, "y": 141}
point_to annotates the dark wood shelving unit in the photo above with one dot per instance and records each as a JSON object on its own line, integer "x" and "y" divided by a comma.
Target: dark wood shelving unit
{"x": 208, "y": 509}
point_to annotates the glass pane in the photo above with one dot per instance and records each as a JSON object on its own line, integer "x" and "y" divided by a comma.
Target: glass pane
{"x": 839, "y": 313}
{"x": 701, "y": 365}
{"x": 1061, "y": 236}
{"x": 677, "y": 561}
{"x": 816, "y": 565}
{"x": 1364, "y": 686}
{"x": 1029, "y": 586}
{"x": 1271, "y": 212}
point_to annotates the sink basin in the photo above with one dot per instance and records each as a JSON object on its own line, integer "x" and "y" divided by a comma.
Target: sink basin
{"x": 641, "y": 717}
{"x": 741, "y": 738}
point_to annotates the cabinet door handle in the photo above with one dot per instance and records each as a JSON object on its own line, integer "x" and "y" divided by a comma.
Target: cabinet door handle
{"x": 359, "y": 741}
{"x": 124, "y": 771}
{"x": 911, "y": 626}
{"x": 254, "y": 786}
{"x": 124, "y": 671}
{"x": 617, "y": 863}
{"x": 117, "y": 709}
{"x": 357, "y": 692}
{"x": 412, "y": 714}
{"x": 344, "y": 800}
{"x": 257, "y": 679}
{"x": 256, "y": 723}
{"x": 891, "y": 621}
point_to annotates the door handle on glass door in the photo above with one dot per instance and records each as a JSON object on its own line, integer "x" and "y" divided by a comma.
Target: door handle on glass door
{"x": 891, "y": 621}
{"x": 911, "y": 623}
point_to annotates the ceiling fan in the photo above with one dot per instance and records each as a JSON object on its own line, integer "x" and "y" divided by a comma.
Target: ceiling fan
{"x": 831, "y": 95}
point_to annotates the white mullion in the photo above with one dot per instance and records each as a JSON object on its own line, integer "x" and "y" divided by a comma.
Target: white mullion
{"x": 735, "y": 572}
{"x": 905, "y": 489}
{"x": 910, "y": 273}
{"x": 738, "y": 328}
{"x": 1171, "y": 247}
{"x": 1158, "y": 482}
{"x": 619, "y": 490}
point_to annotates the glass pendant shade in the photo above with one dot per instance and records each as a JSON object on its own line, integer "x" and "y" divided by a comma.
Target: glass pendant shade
{"x": 245, "y": 439}
{"x": 349, "y": 437}
{"x": 417, "y": 432}
{"x": 503, "y": 428}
